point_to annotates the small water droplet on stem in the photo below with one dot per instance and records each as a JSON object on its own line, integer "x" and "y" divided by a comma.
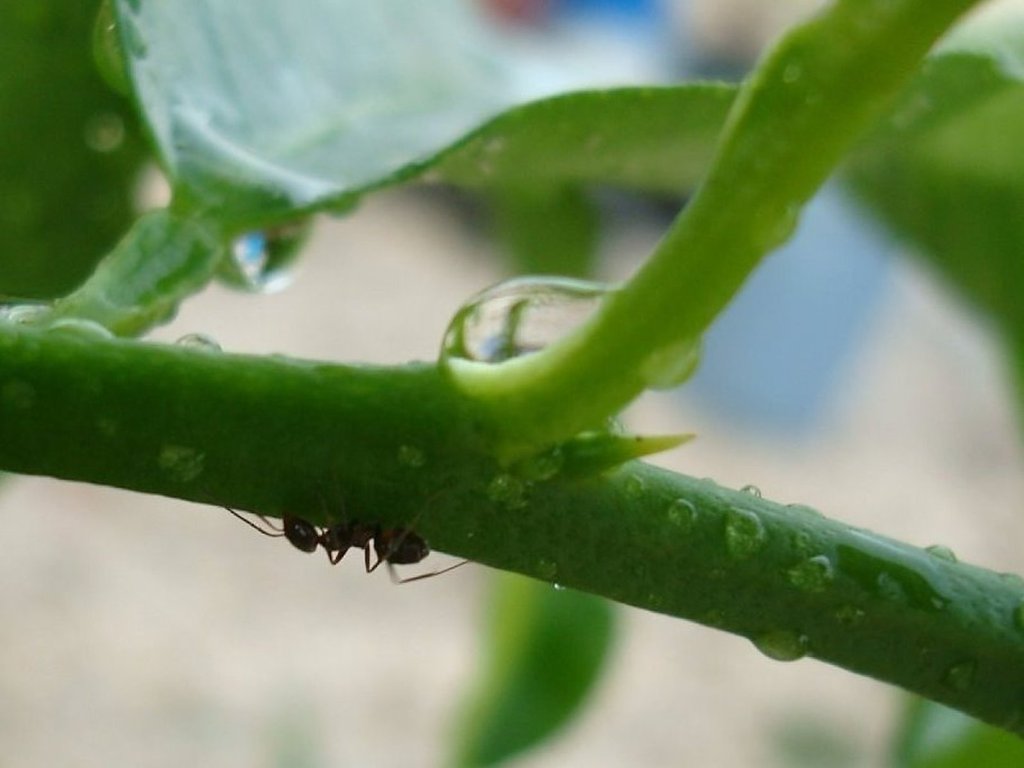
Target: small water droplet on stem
{"x": 745, "y": 534}
{"x": 781, "y": 644}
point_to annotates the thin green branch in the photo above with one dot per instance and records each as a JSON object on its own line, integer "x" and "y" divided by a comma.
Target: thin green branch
{"x": 806, "y": 103}
{"x": 400, "y": 445}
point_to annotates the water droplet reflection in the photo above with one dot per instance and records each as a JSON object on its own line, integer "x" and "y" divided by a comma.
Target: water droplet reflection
{"x": 520, "y": 316}
{"x": 261, "y": 261}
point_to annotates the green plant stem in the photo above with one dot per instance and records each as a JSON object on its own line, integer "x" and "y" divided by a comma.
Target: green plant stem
{"x": 805, "y": 104}
{"x": 401, "y": 445}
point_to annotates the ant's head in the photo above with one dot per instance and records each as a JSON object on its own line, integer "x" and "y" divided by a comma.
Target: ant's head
{"x": 301, "y": 534}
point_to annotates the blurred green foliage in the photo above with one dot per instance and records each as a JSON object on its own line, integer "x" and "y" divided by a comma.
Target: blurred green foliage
{"x": 69, "y": 149}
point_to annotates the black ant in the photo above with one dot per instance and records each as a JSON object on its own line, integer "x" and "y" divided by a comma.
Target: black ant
{"x": 394, "y": 546}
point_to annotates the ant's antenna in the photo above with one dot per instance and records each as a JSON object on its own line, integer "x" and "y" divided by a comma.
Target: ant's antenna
{"x": 273, "y": 532}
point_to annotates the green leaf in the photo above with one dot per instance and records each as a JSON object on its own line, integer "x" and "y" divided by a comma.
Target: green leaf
{"x": 650, "y": 139}
{"x": 260, "y": 108}
{"x": 934, "y": 736}
{"x": 375, "y": 94}
{"x": 546, "y": 648}
{"x": 69, "y": 150}
{"x": 946, "y": 170}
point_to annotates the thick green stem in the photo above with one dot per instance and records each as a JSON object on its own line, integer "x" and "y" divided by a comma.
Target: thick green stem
{"x": 402, "y": 446}
{"x": 805, "y": 104}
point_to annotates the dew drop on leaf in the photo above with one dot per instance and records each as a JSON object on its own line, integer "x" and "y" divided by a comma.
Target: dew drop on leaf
{"x": 261, "y": 261}
{"x": 781, "y": 644}
{"x": 519, "y": 316}
{"x": 753, "y": 490}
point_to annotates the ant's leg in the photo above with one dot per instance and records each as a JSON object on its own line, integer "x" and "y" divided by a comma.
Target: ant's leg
{"x": 335, "y": 555}
{"x": 366, "y": 558}
{"x": 395, "y": 578}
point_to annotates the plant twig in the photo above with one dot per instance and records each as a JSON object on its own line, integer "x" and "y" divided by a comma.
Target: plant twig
{"x": 400, "y": 445}
{"x": 811, "y": 97}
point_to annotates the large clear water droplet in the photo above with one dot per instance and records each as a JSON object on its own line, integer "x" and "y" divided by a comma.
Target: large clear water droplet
{"x": 520, "y": 316}
{"x": 781, "y": 644}
{"x": 261, "y": 261}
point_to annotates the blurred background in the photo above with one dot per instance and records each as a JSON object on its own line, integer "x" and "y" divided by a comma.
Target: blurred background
{"x": 146, "y": 631}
